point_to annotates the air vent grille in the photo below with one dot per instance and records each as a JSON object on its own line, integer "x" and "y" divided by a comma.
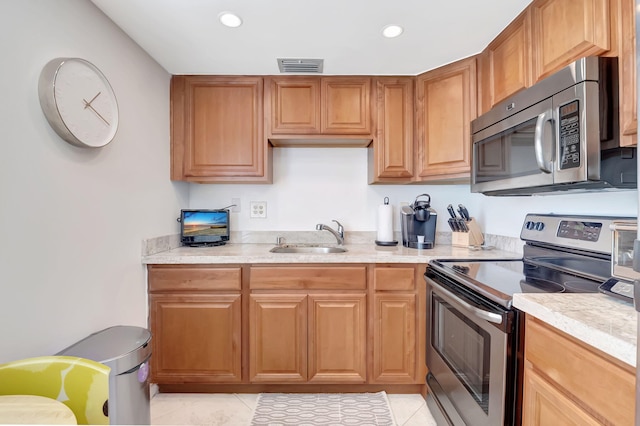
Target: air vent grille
{"x": 300, "y": 65}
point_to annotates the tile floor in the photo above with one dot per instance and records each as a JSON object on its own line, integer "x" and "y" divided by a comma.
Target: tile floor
{"x": 237, "y": 409}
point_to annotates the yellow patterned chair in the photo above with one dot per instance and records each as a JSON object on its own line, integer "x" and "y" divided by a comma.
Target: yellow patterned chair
{"x": 81, "y": 384}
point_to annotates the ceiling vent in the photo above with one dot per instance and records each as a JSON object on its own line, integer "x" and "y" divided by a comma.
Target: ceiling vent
{"x": 300, "y": 65}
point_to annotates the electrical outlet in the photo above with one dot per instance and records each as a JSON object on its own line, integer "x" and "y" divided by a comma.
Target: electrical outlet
{"x": 236, "y": 207}
{"x": 258, "y": 209}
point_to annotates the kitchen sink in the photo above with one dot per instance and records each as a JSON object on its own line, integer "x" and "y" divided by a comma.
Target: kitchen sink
{"x": 306, "y": 249}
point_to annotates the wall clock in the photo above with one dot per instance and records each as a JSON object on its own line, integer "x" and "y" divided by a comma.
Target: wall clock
{"x": 78, "y": 102}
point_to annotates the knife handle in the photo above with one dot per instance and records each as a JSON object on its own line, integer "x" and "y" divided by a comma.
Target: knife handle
{"x": 451, "y": 211}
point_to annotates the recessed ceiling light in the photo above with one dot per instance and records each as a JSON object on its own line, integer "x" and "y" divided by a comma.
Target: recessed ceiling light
{"x": 391, "y": 31}
{"x": 230, "y": 19}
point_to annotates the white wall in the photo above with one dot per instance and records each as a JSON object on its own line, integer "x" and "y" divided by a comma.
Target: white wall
{"x": 72, "y": 219}
{"x": 313, "y": 185}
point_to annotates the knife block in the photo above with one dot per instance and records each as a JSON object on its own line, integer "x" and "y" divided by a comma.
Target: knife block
{"x": 465, "y": 239}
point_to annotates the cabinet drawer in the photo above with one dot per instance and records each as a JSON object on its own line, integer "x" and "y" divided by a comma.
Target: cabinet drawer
{"x": 201, "y": 278}
{"x": 599, "y": 385}
{"x": 309, "y": 277}
{"x": 392, "y": 278}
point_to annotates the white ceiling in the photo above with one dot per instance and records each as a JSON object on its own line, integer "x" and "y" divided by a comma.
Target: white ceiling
{"x": 185, "y": 36}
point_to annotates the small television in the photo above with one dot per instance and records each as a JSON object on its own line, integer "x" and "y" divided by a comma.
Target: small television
{"x": 204, "y": 227}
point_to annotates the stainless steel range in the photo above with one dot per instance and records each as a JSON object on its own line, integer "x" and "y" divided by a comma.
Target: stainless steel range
{"x": 475, "y": 337}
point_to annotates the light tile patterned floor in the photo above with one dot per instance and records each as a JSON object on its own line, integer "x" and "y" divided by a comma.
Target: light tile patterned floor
{"x": 237, "y": 409}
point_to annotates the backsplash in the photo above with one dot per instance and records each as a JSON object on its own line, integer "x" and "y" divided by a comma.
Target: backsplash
{"x": 168, "y": 242}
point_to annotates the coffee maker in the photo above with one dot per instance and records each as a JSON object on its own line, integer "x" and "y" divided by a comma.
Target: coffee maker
{"x": 419, "y": 224}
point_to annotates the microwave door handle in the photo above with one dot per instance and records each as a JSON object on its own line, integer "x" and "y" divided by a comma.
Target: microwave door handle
{"x": 543, "y": 118}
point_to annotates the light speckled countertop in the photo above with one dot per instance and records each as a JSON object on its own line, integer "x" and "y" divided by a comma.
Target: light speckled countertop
{"x": 356, "y": 253}
{"x": 599, "y": 320}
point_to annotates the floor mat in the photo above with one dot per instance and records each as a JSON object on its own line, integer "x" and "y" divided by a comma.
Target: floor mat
{"x": 301, "y": 409}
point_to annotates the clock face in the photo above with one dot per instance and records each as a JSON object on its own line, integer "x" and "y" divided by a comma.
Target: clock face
{"x": 78, "y": 102}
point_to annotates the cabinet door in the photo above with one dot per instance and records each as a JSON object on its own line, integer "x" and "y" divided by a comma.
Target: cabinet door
{"x": 391, "y": 154}
{"x": 196, "y": 338}
{"x": 295, "y": 105}
{"x": 564, "y": 31}
{"x": 337, "y": 338}
{"x": 543, "y": 405}
{"x": 217, "y": 130}
{"x": 394, "y": 338}
{"x": 509, "y": 60}
{"x": 446, "y": 104}
{"x": 346, "y": 105}
{"x": 278, "y": 338}
{"x": 627, "y": 69}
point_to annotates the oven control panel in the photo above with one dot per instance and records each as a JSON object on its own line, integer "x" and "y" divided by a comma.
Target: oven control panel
{"x": 578, "y": 232}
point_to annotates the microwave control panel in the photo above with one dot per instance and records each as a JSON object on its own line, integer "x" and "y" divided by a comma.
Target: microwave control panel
{"x": 570, "y": 135}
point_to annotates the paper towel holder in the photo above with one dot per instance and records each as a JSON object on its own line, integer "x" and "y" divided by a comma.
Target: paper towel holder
{"x": 386, "y": 243}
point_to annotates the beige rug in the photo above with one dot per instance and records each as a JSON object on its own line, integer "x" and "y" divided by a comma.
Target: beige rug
{"x": 302, "y": 409}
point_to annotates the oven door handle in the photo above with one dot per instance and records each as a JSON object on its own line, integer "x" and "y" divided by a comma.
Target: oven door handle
{"x": 480, "y": 313}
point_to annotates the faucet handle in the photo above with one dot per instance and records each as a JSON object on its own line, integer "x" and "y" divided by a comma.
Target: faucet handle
{"x": 279, "y": 241}
{"x": 340, "y": 227}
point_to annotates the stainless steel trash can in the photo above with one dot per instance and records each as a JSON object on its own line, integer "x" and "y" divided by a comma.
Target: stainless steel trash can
{"x": 126, "y": 350}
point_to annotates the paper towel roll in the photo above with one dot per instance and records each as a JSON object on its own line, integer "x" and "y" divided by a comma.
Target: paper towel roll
{"x": 385, "y": 223}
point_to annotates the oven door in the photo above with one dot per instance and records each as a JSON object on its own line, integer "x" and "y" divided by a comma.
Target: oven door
{"x": 468, "y": 355}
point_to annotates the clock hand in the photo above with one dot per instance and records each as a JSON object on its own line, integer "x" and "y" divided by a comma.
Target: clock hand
{"x": 88, "y": 105}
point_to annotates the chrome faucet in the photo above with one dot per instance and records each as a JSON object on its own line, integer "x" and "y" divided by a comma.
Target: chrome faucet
{"x": 339, "y": 234}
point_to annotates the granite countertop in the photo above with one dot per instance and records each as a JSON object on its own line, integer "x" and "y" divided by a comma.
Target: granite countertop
{"x": 356, "y": 253}
{"x": 601, "y": 321}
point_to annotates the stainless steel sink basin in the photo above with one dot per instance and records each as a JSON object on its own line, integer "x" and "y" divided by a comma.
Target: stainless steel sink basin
{"x": 306, "y": 249}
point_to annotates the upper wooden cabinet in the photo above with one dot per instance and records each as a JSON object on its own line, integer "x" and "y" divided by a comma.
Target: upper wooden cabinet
{"x": 446, "y": 104}
{"x": 313, "y": 107}
{"x": 566, "y": 30}
{"x": 624, "y": 23}
{"x": 391, "y": 154}
{"x": 504, "y": 67}
{"x": 217, "y": 130}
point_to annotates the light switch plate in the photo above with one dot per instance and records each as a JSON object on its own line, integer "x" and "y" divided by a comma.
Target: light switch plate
{"x": 258, "y": 209}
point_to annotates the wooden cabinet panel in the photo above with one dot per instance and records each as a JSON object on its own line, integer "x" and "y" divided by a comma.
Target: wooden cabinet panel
{"x": 200, "y": 278}
{"x": 627, "y": 70}
{"x": 394, "y": 338}
{"x": 217, "y": 130}
{"x": 309, "y": 277}
{"x": 295, "y": 105}
{"x": 346, "y": 105}
{"x": 394, "y": 278}
{"x": 566, "y": 30}
{"x": 278, "y": 338}
{"x": 548, "y": 406}
{"x": 337, "y": 338}
{"x": 336, "y": 110}
{"x": 607, "y": 392}
{"x": 446, "y": 104}
{"x": 509, "y": 61}
{"x": 391, "y": 154}
{"x": 196, "y": 338}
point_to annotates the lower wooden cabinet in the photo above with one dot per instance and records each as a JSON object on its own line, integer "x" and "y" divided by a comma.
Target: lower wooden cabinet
{"x": 398, "y": 324}
{"x": 196, "y": 338}
{"x": 273, "y": 325}
{"x": 195, "y": 321}
{"x": 278, "y": 338}
{"x": 302, "y": 332}
{"x": 567, "y": 382}
{"x": 337, "y": 338}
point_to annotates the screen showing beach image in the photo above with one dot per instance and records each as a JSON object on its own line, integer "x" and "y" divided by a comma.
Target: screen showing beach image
{"x": 201, "y": 223}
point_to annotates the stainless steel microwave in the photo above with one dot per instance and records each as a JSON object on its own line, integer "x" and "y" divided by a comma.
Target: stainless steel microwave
{"x": 561, "y": 134}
